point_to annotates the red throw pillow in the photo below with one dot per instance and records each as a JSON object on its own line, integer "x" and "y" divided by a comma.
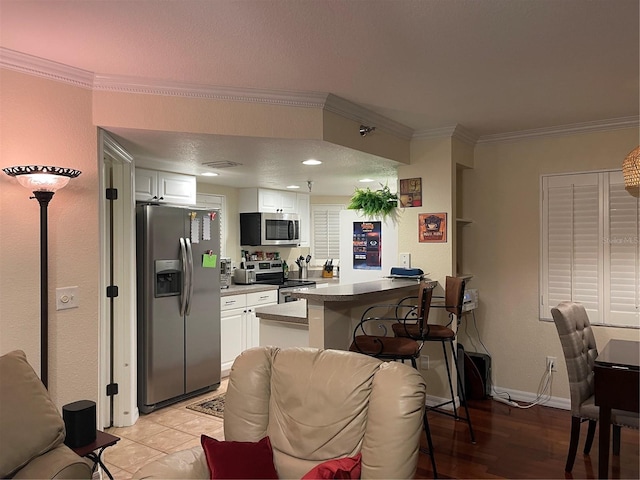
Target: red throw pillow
{"x": 348, "y": 467}
{"x": 239, "y": 459}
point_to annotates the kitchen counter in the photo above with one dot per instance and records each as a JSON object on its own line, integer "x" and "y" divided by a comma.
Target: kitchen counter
{"x": 359, "y": 291}
{"x": 291, "y": 312}
{"x": 334, "y": 311}
{"x": 239, "y": 289}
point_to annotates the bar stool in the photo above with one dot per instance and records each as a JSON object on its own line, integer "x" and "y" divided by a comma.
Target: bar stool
{"x": 424, "y": 331}
{"x": 397, "y": 347}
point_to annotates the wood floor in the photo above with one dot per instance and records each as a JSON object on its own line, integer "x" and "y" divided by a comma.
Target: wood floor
{"x": 516, "y": 443}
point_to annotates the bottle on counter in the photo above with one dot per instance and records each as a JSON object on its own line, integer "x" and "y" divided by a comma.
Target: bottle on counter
{"x": 285, "y": 269}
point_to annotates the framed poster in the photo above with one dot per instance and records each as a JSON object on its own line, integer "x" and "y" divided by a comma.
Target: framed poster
{"x": 432, "y": 227}
{"x": 411, "y": 192}
{"x": 367, "y": 242}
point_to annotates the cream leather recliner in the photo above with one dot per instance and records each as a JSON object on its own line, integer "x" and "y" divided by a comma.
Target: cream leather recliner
{"x": 32, "y": 431}
{"x": 317, "y": 405}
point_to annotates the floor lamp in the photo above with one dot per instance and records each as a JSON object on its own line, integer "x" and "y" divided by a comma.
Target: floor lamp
{"x": 43, "y": 181}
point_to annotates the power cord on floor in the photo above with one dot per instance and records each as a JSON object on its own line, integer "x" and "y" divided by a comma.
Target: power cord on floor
{"x": 546, "y": 382}
{"x": 544, "y": 392}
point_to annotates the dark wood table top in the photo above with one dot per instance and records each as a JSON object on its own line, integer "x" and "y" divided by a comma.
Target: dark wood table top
{"x": 620, "y": 354}
{"x": 102, "y": 440}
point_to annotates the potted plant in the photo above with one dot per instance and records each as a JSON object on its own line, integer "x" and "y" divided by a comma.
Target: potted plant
{"x": 374, "y": 203}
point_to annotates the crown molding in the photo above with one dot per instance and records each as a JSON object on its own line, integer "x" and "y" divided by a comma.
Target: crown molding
{"x": 456, "y": 131}
{"x": 365, "y": 116}
{"x": 563, "y": 130}
{"x": 40, "y": 67}
{"x": 23, "y": 63}
{"x": 114, "y": 83}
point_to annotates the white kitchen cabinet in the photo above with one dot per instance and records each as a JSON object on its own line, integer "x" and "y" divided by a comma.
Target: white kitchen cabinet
{"x": 254, "y": 300}
{"x": 304, "y": 213}
{"x": 265, "y": 200}
{"x": 175, "y": 188}
{"x": 232, "y": 329}
{"x": 239, "y": 326}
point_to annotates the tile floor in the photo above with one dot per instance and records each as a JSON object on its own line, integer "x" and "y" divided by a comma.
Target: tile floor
{"x": 158, "y": 433}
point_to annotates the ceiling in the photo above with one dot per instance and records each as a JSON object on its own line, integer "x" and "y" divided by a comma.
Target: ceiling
{"x": 491, "y": 66}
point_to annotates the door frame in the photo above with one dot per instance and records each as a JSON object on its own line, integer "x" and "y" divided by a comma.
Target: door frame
{"x": 117, "y": 163}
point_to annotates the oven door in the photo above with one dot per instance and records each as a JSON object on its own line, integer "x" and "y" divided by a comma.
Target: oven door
{"x": 284, "y": 295}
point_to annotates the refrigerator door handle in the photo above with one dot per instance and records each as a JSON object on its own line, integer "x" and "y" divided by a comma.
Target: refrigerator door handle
{"x": 190, "y": 265}
{"x": 185, "y": 277}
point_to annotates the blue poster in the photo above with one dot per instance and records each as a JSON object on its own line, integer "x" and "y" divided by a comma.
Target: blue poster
{"x": 367, "y": 241}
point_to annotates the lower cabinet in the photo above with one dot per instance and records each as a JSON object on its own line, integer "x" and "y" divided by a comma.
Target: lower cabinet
{"x": 239, "y": 326}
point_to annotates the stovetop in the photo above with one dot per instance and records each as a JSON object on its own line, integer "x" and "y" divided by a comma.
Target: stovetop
{"x": 296, "y": 283}
{"x": 290, "y": 283}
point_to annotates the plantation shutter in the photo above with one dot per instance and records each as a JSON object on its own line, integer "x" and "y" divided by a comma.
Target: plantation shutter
{"x": 590, "y": 252}
{"x": 572, "y": 250}
{"x": 623, "y": 253}
{"x": 326, "y": 232}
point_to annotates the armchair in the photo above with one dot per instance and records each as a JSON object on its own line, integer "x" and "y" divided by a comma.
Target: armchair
{"x": 316, "y": 405}
{"x": 32, "y": 429}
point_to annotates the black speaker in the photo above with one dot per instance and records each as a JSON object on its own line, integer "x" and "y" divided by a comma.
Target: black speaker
{"x": 80, "y": 422}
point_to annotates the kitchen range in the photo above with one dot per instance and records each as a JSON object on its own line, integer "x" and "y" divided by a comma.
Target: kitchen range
{"x": 270, "y": 272}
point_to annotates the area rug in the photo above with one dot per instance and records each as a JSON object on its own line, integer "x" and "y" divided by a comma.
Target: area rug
{"x": 211, "y": 406}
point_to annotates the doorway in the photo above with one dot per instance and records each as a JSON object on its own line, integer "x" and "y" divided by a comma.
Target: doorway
{"x": 118, "y": 379}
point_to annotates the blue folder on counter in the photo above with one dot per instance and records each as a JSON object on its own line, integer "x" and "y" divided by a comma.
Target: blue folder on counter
{"x": 400, "y": 272}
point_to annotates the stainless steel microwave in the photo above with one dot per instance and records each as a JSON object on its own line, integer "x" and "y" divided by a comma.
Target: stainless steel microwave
{"x": 269, "y": 229}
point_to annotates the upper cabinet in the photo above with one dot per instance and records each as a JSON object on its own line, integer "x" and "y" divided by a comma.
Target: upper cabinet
{"x": 157, "y": 186}
{"x": 264, "y": 200}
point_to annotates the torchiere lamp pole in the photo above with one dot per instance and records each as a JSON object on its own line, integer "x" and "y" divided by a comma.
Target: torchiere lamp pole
{"x": 44, "y": 181}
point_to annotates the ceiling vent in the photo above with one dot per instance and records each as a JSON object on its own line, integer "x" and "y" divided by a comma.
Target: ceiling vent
{"x": 221, "y": 164}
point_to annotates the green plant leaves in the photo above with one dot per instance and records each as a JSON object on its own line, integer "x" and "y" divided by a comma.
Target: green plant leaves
{"x": 373, "y": 203}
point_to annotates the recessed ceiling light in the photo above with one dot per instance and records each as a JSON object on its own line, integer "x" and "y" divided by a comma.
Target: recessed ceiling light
{"x": 209, "y": 174}
{"x": 293, "y": 186}
{"x": 312, "y": 161}
{"x": 366, "y": 180}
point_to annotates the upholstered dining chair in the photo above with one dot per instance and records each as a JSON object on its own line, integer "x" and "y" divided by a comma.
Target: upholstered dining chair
{"x": 412, "y": 309}
{"x": 424, "y": 331}
{"x": 580, "y": 352}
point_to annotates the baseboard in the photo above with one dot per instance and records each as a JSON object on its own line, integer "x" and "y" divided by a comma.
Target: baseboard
{"x": 528, "y": 397}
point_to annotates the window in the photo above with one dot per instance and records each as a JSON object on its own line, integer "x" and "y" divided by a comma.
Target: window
{"x": 325, "y": 241}
{"x": 590, "y": 248}
{"x": 206, "y": 200}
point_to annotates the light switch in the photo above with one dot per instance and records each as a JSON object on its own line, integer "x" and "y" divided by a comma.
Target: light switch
{"x": 67, "y": 297}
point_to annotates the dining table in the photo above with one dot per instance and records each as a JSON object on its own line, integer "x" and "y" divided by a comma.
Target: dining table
{"x": 616, "y": 384}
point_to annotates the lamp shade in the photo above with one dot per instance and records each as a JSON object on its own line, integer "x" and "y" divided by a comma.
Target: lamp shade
{"x": 631, "y": 169}
{"x": 41, "y": 178}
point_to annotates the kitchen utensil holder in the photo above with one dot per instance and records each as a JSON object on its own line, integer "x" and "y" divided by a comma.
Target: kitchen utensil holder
{"x": 303, "y": 272}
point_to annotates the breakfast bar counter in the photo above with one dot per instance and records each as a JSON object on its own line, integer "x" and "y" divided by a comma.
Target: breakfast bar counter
{"x": 333, "y": 312}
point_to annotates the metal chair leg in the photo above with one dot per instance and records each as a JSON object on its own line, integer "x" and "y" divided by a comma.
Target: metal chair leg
{"x": 431, "y": 453}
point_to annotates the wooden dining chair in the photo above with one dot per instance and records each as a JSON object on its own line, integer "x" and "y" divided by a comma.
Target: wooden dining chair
{"x": 580, "y": 352}
{"x": 410, "y": 310}
{"x": 423, "y": 331}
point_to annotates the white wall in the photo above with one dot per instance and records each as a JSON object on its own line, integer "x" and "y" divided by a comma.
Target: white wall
{"x": 46, "y": 122}
{"x": 501, "y": 195}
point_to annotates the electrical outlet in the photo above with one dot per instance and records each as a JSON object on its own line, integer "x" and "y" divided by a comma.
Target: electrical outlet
{"x": 551, "y": 361}
{"x": 405, "y": 260}
{"x": 424, "y": 362}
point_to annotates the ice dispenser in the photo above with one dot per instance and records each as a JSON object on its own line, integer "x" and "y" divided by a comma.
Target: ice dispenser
{"x": 168, "y": 278}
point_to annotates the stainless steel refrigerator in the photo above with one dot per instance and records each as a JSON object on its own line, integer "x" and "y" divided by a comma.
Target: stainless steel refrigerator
{"x": 178, "y": 278}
